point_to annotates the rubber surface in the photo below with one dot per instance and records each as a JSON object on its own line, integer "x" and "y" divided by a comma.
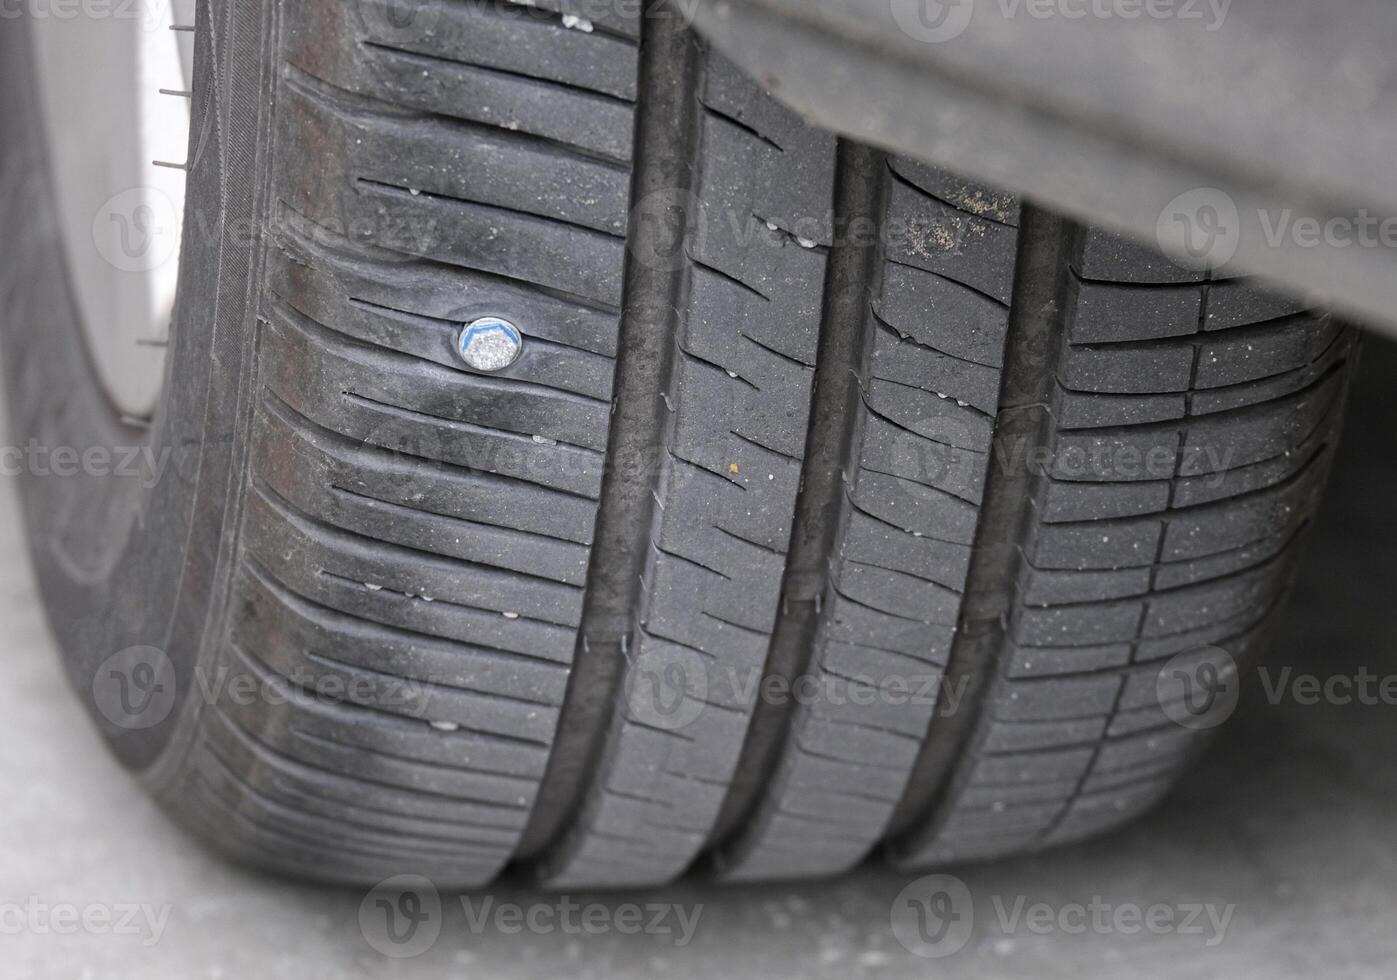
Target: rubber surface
{"x": 835, "y": 502}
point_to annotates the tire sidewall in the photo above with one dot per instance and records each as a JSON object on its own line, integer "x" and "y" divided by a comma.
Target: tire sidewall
{"x": 131, "y": 557}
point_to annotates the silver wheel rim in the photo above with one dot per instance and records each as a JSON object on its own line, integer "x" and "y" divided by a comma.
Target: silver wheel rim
{"x": 113, "y": 97}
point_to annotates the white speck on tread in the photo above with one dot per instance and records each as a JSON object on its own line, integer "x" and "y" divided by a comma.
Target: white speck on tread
{"x": 573, "y": 22}
{"x": 427, "y": 598}
{"x": 373, "y": 588}
{"x": 772, "y": 226}
{"x": 771, "y": 476}
{"x": 806, "y": 242}
{"x": 669, "y": 403}
{"x": 778, "y": 917}
{"x": 510, "y": 615}
{"x": 732, "y": 374}
{"x": 413, "y": 191}
{"x": 544, "y": 440}
{"x": 446, "y": 726}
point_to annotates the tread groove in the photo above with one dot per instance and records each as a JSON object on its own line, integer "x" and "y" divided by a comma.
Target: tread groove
{"x": 1041, "y": 302}
{"x": 832, "y": 439}
{"x": 666, "y": 136}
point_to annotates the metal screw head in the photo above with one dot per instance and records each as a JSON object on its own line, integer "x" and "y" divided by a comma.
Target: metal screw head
{"x": 490, "y": 343}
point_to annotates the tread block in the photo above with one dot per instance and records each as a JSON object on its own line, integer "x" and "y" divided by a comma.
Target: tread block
{"x": 1112, "y": 313}
{"x": 1115, "y": 258}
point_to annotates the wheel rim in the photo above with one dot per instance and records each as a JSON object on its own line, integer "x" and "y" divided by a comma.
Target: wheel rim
{"x": 113, "y": 96}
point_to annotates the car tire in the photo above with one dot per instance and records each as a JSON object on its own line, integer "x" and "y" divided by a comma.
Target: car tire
{"x": 803, "y": 502}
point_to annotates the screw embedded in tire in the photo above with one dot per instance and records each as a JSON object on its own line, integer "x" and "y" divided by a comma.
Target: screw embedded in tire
{"x": 490, "y": 343}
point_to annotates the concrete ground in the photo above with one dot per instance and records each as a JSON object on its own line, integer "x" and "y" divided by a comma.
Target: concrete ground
{"x": 1276, "y": 858}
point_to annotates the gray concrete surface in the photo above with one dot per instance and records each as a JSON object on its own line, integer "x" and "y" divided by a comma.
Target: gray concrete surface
{"x": 1288, "y": 828}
